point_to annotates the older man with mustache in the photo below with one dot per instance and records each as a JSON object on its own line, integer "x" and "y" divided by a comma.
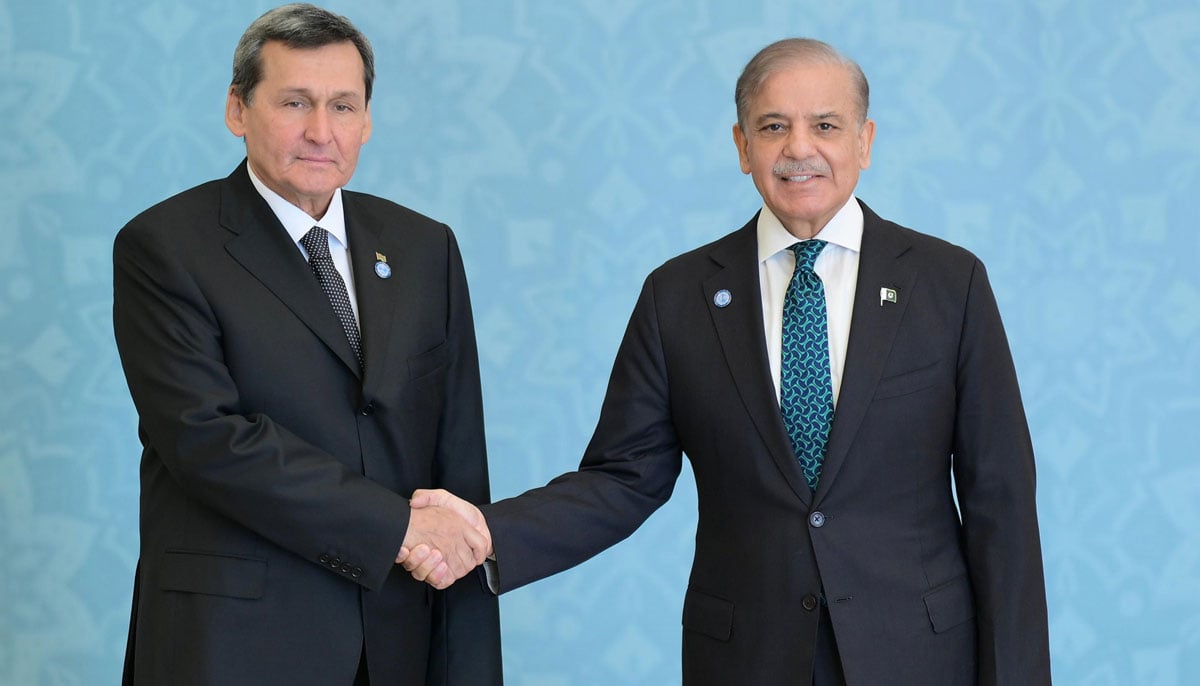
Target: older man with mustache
{"x": 844, "y": 390}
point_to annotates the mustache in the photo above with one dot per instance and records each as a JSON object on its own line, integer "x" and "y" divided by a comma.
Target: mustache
{"x": 801, "y": 167}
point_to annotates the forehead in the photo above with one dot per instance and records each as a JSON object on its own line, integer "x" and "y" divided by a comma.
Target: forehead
{"x": 297, "y": 67}
{"x": 804, "y": 88}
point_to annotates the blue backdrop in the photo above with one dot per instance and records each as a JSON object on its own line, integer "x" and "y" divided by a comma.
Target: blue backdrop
{"x": 574, "y": 146}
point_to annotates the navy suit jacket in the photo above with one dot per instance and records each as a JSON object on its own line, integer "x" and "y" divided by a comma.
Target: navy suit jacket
{"x": 274, "y": 472}
{"x": 920, "y": 591}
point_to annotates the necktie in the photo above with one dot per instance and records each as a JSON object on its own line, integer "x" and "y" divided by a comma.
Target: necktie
{"x": 316, "y": 242}
{"x": 806, "y": 391}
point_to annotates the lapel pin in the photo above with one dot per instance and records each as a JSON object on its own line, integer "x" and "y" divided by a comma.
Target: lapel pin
{"x": 722, "y": 298}
{"x": 382, "y": 269}
{"x": 887, "y": 295}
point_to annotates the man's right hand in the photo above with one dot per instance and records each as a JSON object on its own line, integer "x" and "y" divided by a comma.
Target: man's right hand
{"x": 429, "y": 562}
{"x": 446, "y": 539}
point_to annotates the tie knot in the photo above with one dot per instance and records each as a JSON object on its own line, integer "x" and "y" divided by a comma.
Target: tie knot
{"x": 806, "y": 252}
{"x": 316, "y": 242}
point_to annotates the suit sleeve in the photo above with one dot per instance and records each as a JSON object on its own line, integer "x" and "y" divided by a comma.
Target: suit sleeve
{"x": 243, "y": 465}
{"x": 628, "y": 470}
{"x": 466, "y": 645}
{"x": 995, "y": 480}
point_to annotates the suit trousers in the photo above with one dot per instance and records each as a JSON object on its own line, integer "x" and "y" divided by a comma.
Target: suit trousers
{"x": 362, "y": 678}
{"x": 827, "y": 664}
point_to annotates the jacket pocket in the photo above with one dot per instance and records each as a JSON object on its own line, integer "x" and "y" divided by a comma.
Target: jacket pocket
{"x": 908, "y": 382}
{"x": 950, "y": 604}
{"x": 429, "y": 361}
{"x": 213, "y": 574}
{"x": 708, "y": 615}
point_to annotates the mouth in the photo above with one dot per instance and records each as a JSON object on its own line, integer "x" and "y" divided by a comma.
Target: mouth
{"x": 799, "y": 178}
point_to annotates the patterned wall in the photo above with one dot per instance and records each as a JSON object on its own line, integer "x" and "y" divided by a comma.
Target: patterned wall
{"x": 574, "y": 146}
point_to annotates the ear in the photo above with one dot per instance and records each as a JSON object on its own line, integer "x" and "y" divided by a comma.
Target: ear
{"x": 866, "y": 136}
{"x": 742, "y": 143}
{"x": 235, "y": 110}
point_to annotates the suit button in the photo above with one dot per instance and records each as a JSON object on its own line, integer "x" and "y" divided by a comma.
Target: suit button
{"x": 345, "y": 569}
{"x": 356, "y": 572}
{"x": 335, "y": 562}
{"x": 817, "y": 520}
{"x": 324, "y": 559}
{"x": 367, "y": 410}
{"x": 809, "y": 602}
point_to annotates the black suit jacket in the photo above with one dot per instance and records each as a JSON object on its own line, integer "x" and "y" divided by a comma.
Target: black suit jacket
{"x": 917, "y": 593}
{"x": 274, "y": 473}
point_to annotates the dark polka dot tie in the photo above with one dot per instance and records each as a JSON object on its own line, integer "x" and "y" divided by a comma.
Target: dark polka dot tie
{"x": 805, "y": 388}
{"x": 316, "y": 242}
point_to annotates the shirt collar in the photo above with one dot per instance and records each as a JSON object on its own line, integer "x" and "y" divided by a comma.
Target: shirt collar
{"x": 295, "y": 220}
{"x": 845, "y": 229}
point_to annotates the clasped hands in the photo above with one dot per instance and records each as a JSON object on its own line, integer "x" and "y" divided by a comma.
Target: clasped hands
{"x": 447, "y": 537}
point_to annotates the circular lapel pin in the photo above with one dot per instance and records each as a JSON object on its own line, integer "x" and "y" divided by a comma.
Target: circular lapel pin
{"x": 382, "y": 269}
{"x": 722, "y": 298}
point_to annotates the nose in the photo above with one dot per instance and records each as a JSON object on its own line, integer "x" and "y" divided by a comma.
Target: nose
{"x": 799, "y": 144}
{"x": 319, "y": 129}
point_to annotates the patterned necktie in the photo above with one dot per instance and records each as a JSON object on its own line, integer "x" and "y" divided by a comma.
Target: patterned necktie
{"x": 806, "y": 391}
{"x": 316, "y": 242}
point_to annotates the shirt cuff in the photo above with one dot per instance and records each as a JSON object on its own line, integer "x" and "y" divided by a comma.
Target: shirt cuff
{"x": 492, "y": 572}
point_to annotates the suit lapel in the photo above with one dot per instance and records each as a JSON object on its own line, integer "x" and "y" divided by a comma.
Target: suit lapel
{"x": 376, "y": 286}
{"x": 263, "y": 247}
{"x": 739, "y": 327}
{"x": 872, "y": 330}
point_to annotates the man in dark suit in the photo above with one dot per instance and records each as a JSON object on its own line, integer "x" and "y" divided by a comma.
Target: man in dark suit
{"x": 897, "y": 544}
{"x": 293, "y": 385}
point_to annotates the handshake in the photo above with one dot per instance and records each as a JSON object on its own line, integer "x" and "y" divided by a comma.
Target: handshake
{"x": 447, "y": 537}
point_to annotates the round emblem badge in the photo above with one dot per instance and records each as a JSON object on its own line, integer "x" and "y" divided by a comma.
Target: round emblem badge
{"x": 722, "y": 298}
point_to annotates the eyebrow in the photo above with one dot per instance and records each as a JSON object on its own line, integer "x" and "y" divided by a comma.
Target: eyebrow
{"x": 816, "y": 116}
{"x": 299, "y": 90}
{"x": 766, "y": 116}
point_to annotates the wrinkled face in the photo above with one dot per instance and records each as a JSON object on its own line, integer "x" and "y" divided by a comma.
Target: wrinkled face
{"x": 803, "y": 144}
{"x": 305, "y": 122}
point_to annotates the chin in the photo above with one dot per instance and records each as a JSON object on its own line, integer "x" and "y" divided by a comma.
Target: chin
{"x": 323, "y": 185}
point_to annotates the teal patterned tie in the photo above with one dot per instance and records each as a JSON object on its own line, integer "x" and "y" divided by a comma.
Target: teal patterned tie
{"x": 806, "y": 391}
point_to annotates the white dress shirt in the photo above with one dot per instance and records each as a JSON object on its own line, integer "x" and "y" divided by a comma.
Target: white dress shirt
{"x": 837, "y": 266}
{"x": 297, "y": 223}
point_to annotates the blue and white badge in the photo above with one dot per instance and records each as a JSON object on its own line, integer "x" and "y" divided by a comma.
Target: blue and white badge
{"x": 382, "y": 269}
{"x": 722, "y": 298}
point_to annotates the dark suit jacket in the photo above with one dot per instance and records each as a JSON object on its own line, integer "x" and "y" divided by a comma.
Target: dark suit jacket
{"x": 917, "y": 594}
{"x": 274, "y": 474}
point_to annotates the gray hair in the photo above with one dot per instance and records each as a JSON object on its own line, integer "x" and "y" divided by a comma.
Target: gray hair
{"x": 789, "y": 52}
{"x": 298, "y": 25}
